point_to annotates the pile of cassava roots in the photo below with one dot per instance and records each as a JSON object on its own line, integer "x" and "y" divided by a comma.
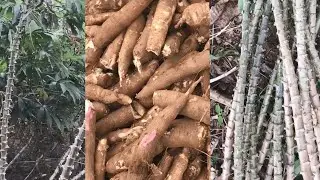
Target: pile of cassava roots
{"x": 147, "y": 89}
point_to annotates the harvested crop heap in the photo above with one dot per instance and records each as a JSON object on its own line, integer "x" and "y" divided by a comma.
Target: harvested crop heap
{"x": 147, "y": 78}
{"x": 281, "y": 138}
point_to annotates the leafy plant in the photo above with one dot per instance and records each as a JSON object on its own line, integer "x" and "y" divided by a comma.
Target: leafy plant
{"x": 50, "y": 73}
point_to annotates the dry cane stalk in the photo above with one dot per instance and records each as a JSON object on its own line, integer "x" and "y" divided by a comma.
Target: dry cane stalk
{"x": 266, "y": 144}
{"x": 240, "y": 88}
{"x": 278, "y": 130}
{"x": 313, "y": 18}
{"x": 239, "y": 93}
{"x": 74, "y": 152}
{"x": 288, "y": 129}
{"x": 300, "y": 24}
{"x": 315, "y": 104}
{"x": 293, "y": 90}
{"x": 7, "y": 103}
{"x": 270, "y": 168}
{"x": 250, "y": 117}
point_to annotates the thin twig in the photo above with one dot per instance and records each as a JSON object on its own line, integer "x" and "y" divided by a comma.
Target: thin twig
{"x": 20, "y": 152}
{"x": 37, "y": 162}
{"x": 79, "y": 175}
{"x": 223, "y": 75}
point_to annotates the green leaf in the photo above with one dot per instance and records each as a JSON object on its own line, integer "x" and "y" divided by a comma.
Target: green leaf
{"x": 57, "y": 122}
{"x": 218, "y": 109}
{"x": 74, "y": 92}
{"x": 3, "y": 66}
{"x": 33, "y": 26}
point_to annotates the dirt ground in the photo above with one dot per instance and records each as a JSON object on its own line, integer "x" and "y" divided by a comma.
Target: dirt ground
{"x": 43, "y": 150}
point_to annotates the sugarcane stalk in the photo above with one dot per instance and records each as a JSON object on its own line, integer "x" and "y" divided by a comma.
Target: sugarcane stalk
{"x": 300, "y": 26}
{"x": 266, "y": 144}
{"x": 315, "y": 105}
{"x": 250, "y": 116}
{"x": 293, "y": 90}
{"x": 236, "y": 112}
{"x": 313, "y": 18}
{"x": 7, "y": 103}
{"x": 266, "y": 101}
{"x": 315, "y": 60}
{"x": 278, "y": 130}
{"x": 288, "y": 130}
{"x": 270, "y": 168}
{"x": 74, "y": 152}
{"x": 240, "y": 87}
{"x": 257, "y": 12}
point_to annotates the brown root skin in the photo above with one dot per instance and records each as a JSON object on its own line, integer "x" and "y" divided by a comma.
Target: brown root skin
{"x": 115, "y": 149}
{"x": 196, "y": 1}
{"x": 194, "y": 169}
{"x": 197, "y": 108}
{"x": 173, "y": 43}
{"x": 209, "y": 150}
{"x": 163, "y": 167}
{"x": 90, "y": 120}
{"x": 205, "y": 83}
{"x": 146, "y": 102}
{"x": 169, "y": 63}
{"x": 144, "y": 149}
{"x": 179, "y": 165}
{"x": 129, "y": 135}
{"x": 119, "y": 118}
{"x": 189, "y": 45}
{"x": 204, "y": 174}
{"x": 98, "y": 6}
{"x": 126, "y": 175}
{"x": 118, "y": 135}
{"x": 119, "y": 153}
{"x": 191, "y": 65}
{"x": 196, "y": 15}
{"x": 91, "y": 30}
{"x": 207, "y": 46}
{"x": 99, "y": 78}
{"x": 184, "y": 85}
{"x": 182, "y": 5}
{"x": 119, "y": 22}
{"x": 186, "y": 133}
{"x": 100, "y": 109}
{"x": 175, "y": 20}
{"x": 100, "y": 159}
{"x": 160, "y": 25}
{"x": 97, "y": 19}
{"x": 202, "y": 33}
{"x": 151, "y": 137}
{"x": 97, "y": 93}
{"x": 140, "y": 54}
{"x": 92, "y": 53}
{"x": 135, "y": 81}
{"x": 130, "y": 39}
{"x": 122, "y": 160}
{"x": 109, "y": 58}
